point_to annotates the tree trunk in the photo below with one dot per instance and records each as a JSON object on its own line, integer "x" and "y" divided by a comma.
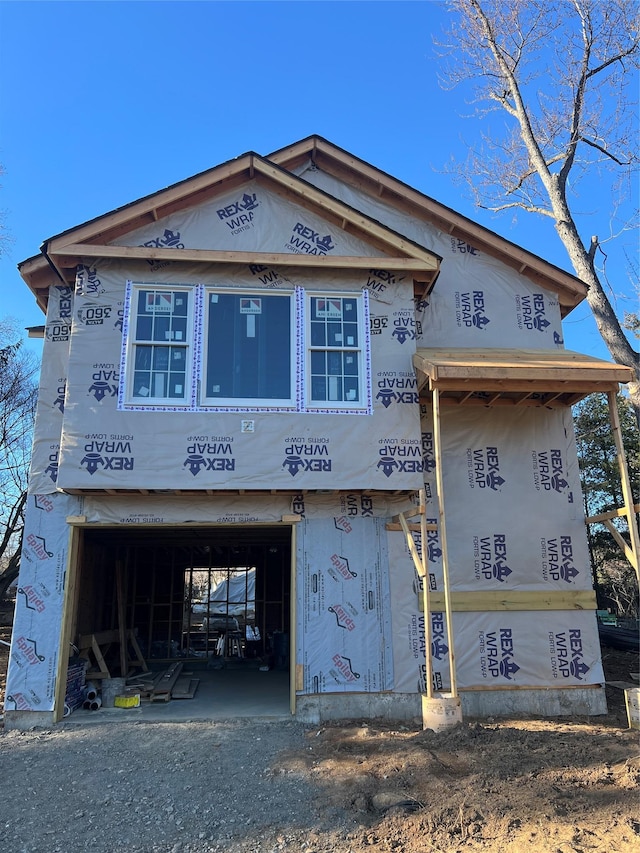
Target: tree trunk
{"x": 606, "y": 320}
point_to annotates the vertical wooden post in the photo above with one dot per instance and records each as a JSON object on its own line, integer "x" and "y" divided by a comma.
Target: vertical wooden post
{"x": 293, "y": 670}
{"x": 426, "y": 596}
{"x": 437, "y": 444}
{"x": 420, "y": 564}
{"x": 69, "y": 599}
{"x": 634, "y": 536}
{"x": 122, "y": 628}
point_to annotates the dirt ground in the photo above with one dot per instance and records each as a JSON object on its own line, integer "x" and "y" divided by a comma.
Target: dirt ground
{"x": 569, "y": 785}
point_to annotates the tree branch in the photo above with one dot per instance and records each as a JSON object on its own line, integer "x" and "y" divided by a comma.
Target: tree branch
{"x": 529, "y": 208}
{"x": 605, "y": 152}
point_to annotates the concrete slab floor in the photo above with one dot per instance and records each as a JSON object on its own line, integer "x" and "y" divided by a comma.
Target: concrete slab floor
{"x": 223, "y": 694}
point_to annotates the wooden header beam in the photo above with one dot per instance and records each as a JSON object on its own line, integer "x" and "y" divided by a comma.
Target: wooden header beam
{"x": 69, "y": 254}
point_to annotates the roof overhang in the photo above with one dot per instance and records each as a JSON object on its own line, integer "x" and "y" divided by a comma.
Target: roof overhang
{"x": 378, "y": 184}
{"x": 99, "y": 237}
{"x": 509, "y": 377}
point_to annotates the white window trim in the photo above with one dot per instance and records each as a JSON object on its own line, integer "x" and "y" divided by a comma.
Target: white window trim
{"x": 364, "y": 404}
{"x": 126, "y": 400}
{"x": 300, "y": 402}
{"x": 254, "y": 403}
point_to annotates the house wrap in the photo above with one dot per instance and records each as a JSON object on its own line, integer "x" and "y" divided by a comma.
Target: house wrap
{"x": 285, "y": 353}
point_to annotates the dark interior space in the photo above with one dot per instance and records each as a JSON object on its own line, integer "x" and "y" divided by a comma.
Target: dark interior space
{"x": 212, "y": 598}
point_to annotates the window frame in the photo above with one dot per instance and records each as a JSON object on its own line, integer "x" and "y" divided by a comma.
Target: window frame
{"x": 195, "y": 346}
{"x": 362, "y": 349}
{"x": 131, "y": 344}
{"x": 248, "y": 403}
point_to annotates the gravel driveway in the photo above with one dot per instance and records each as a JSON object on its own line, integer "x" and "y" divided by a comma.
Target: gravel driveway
{"x": 187, "y": 787}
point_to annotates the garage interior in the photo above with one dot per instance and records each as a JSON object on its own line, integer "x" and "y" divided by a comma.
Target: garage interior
{"x": 215, "y": 599}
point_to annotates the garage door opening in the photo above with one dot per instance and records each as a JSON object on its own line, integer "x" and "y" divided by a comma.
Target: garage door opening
{"x": 213, "y": 603}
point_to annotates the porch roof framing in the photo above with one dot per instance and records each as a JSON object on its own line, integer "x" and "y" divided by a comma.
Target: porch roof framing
{"x": 514, "y": 377}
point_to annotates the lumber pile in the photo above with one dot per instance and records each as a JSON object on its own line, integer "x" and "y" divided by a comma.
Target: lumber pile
{"x": 165, "y": 685}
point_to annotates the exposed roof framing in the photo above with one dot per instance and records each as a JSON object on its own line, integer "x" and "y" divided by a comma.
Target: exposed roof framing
{"x": 361, "y": 175}
{"x": 98, "y": 238}
{"x": 508, "y": 377}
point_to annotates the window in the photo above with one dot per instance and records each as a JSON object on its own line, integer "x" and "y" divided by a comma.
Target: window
{"x": 335, "y": 351}
{"x": 205, "y": 348}
{"x": 160, "y": 346}
{"x": 248, "y": 349}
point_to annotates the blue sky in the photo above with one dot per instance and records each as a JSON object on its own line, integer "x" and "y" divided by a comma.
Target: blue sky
{"x": 102, "y": 103}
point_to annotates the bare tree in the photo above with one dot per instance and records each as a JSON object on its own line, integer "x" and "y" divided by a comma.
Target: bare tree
{"x": 565, "y": 74}
{"x": 17, "y": 413}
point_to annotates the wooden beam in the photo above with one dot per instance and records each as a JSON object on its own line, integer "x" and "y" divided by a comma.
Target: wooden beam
{"x": 437, "y": 446}
{"x": 183, "y": 189}
{"x": 69, "y": 603}
{"x": 634, "y": 535}
{"x": 72, "y": 251}
{"x": 523, "y": 385}
{"x": 357, "y": 172}
{"x": 497, "y": 600}
{"x": 324, "y": 201}
{"x": 417, "y": 562}
{"x": 618, "y": 539}
{"x": 505, "y": 402}
{"x": 614, "y": 513}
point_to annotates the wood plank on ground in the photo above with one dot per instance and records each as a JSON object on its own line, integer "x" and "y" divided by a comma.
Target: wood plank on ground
{"x": 185, "y": 688}
{"x": 162, "y": 689}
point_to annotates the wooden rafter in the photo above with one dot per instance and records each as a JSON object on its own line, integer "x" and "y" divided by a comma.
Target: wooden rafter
{"x": 378, "y": 184}
{"x": 100, "y": 237}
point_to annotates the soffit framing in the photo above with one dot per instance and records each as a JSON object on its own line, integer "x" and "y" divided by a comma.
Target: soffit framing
{"x": 496, "y": 377}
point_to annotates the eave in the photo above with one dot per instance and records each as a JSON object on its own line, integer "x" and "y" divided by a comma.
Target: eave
{"x": 378, "y": 184}
{"x": 98, "y": 238}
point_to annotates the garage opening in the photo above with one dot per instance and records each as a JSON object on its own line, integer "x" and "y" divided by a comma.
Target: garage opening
{"x": 213, "y": 603}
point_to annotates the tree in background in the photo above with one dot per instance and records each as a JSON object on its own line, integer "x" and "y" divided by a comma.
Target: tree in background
{"x": 564, "y": 72}
{"x": 615, "y": 579}
{"x": 18, "y": 393}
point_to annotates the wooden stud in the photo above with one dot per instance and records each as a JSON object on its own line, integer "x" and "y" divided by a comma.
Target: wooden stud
{"x": 295, "y": 669}
{"x": 634, "y": 536}
{"x": 121, "y": 610}
{"x": 426, "y": 596}
{"x": 68, "y": 615}
{"x": 437, "y": 443}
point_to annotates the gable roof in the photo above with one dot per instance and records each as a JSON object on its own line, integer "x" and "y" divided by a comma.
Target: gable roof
{"x": 384, "y": 187}
{"x": 98, "y": 237}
